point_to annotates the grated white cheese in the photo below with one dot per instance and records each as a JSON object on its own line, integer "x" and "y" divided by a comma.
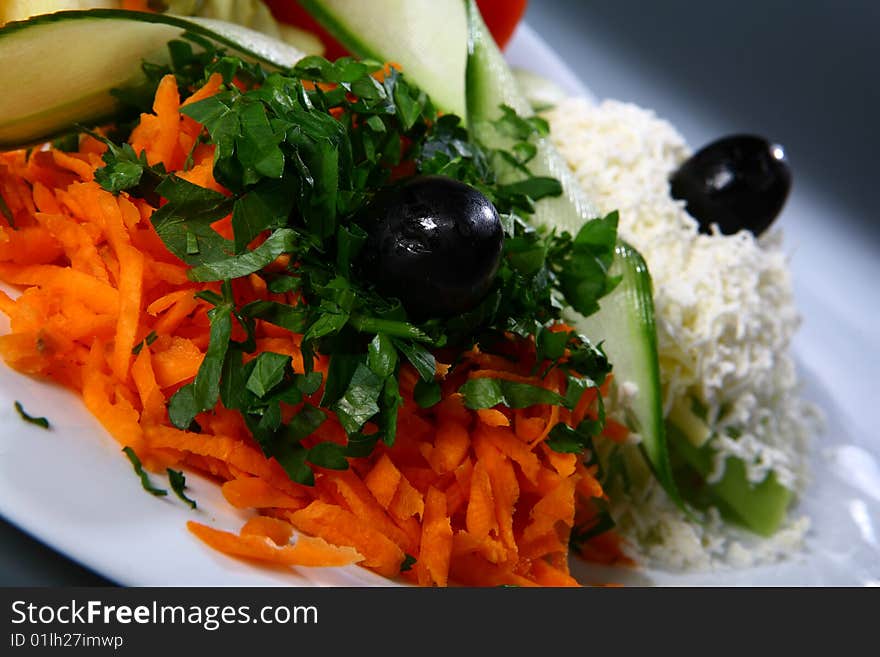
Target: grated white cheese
{"x": 725, "y": 316}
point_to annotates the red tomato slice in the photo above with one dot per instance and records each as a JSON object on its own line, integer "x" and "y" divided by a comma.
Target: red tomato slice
{"x": 289, "y": 11}
{"x": 501, "y": 16}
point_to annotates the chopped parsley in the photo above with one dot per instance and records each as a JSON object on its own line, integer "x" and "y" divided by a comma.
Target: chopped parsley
{"x": 150, "y": 339}
{"x": 408, "y": 562}
{"x": 600, "y": 524}
{"x": 39, "y": 421}
{"x": 6, "y": 212}
{"x": 178, "y": 484}
{"x": 302, "y": 154}
{"x": 140, "y": 472}
{"x": 486, "y": 393}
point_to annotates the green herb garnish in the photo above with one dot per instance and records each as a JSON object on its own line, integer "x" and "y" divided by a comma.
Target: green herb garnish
{"x": 602, "y": 523}
{"x": 178, "y": 484}
{"x": 486, "y": 393}
{"x": 150, "y": 339}
{"x": 408, "y": 562}
{"x": 140, "y": 472}
{"x": 303, "y": 154}
{"x": 6, "y": 212}
{"x": 39, "y": 421}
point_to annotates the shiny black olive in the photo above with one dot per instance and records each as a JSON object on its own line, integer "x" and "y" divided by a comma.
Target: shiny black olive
{"x": 736, "y": 182}
{"x": 434, "y": 243}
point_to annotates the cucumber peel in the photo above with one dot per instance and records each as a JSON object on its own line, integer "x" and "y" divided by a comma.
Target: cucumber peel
{"x": 425, "y": 37}
{"x": 99, "y": 50}
{"x": 490, "y": 84}
{"x": 759, "y": 507}
{"x": 626, "y": 325}
{"x": 626, "y": 319}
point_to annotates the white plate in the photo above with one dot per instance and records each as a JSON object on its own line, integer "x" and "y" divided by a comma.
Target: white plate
{"x": 72, "y": 489}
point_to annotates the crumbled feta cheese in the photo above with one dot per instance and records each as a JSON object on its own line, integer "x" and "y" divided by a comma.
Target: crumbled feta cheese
{"x": 725, "y": 316}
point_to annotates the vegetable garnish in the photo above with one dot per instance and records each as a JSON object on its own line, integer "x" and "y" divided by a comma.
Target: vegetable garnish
{"x": 178, "y": 484}
{"x": 140, "y": 472}
{"x": 198, "y": 277}
{"x": 39, "y": 421}
{"x": 5, "y": 211}
{"x": 147, "y": 341}
{"x": 408, "y": 562}
{"x": 316, "y": 146}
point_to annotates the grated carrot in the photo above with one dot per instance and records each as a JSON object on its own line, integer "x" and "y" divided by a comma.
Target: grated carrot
{"x": 475, "y": 497}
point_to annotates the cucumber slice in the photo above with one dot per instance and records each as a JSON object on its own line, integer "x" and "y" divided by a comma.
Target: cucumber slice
{"x": 490, "y": 84}
{"x": 96, "y": 51}
{"x": 626, "y": 320}
{"x": 249, "y": 13}
{"x": 425, "y": 37}
{"x": 759, "y": 507}
{"x": 19, "y": 10}
{"x": 626, "y": 324}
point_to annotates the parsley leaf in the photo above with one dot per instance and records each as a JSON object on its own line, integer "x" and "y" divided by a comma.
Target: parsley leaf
{"x": 39, "y": 421}
{"x": 563, "y": 438}
{"x": 150, "y": 339}
{"x": 419, "y": 357}
{"x": 124, "y": 168}
{"x": 184, "y": 222}
{"x": 203, "y": 392}
{"x": 426, "y": 394}
{"x": 360, "y": 401}
{"x": 328, "y": 455}
{"x": 178, "y": 485}
{"x": 408, "y": 562}
{"x": 301, "y": 155}
{"x": 6, "y": 212}
{"x": 583, "y": 269}
{"x": 140, "y": 472}
{"x": 281, "y": 241}
{"x": 304, "y": 423}
{"x": 382, "y": 356}
{"x": 486, "y": 393}
{"x": 601, "y": 523}
{"x": 267, "y": 372}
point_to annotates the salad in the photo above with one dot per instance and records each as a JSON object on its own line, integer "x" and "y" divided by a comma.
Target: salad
{"x": 372, "y": 299}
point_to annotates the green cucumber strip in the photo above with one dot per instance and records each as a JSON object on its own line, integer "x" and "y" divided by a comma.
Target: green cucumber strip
{"x": 689, "y": 423}
{"x": 58, "y": 69}
{"x": 759, "y": 507}
{"x": 425, "y": 37}
{"x": 626, "y": 319}
{"x": 625, "y": 324}
{"x": 491, "y": 84}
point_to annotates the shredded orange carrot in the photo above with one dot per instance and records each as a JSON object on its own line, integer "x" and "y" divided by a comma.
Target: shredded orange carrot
{"x": 383, "y": 481}
{"x": 152, "y": 399}
{"x": 305, "y": 552}
{"x": 481, "y": 520}
{"x": 436, "y": 541}
{"x": 493, "y": 417}
{"x": 279, "y": 531}
{"x": 339, "y": 526}
{"x": 474, "y": 497}
{"x": 130, "y": 290}
{"x": 450, "y": 446}
{"x": 256, "y": 493}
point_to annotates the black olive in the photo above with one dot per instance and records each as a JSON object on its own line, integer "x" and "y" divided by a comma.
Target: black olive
{"x": 434, "y": 243}
{"x": 736, "y": 182}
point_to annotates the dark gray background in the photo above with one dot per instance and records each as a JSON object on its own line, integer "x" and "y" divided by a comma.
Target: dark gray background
{"x": 801, "y": 73}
